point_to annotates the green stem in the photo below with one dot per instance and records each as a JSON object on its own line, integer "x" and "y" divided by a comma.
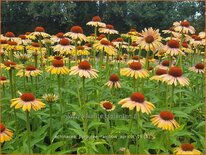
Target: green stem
{"x": 50, "y": 113}
{"x": 147, "y": 62}
{"x": 172, "y": 97}
{"x": 76, "y": 58}
{"x": 28, "y": 130}
{"x": 129, "y": 132}
{"x": 109, "y": 131}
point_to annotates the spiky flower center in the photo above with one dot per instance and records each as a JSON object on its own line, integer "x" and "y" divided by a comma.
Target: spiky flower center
{"x": 165, "y": 63}
{"x": 39, "y": 29}
{"x": 185, "y": 44}
{"x": 185, "y": 24}
{"x": 107, "y": 105}
{"x": 27, "y": 97}
{"x": 76, "y": 29}
{"x": 109, "y": 26}
{"x": 119, "y": 40}
{"x": 135, "y": 66}
{"x": 105, "y": 42}
{"x": 80, "y": 48}
{"x": 187, "y": 147}
{"x": 64, "y": 42}
{"x": 34, "y": 44}
{"x": 3, "y": 78}
{"x": 173, "y": 44}
{"x": 30, "y": 68}
{"x": 166, "y": 115}
{"x": 57, "y": 57}
{"x": 12, "y": 43}
{"x": 58, "y": 63}
{"x": 60, "y": 35}
{"x": 3, "y": 41}
{"x": 175, "y": 71}
{"x": 23, "y": 37}
{"x": 137, "y": 97}
{"x": 9, "y": 63}
{"x": 85, "y": 65}
{"x": 9, "y": 34}
{"x": 149, "y": 39}
{"x": 199, "y": 66}
{"x": 2, "y": 127}
{"x": 160, "y": 72}
{"x": 113, "y": 78}
{"x": 96, "y": 19}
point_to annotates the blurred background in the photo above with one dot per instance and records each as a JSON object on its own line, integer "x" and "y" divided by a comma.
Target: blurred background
{"x": 20, "y": 17}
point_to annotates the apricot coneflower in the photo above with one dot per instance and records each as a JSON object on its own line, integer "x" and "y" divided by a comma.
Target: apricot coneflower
{"x": 197, "y": 41}
{"x": 183, "y": 27}
{"x": 96, "y": 22}
{"x": 165, "y": 120}
{"x": 39, "y": 33}
{"x": 113, "y": 81}
{"x": 150, "y": 40}
{"x": 29, "y": 71}
{"x": 109, "y": 29}
{"x": 164, "y": 65}
{"x": 186, "y": 47}
{"x": 173, "y": 48}
{"x": 23, "y": 40}
{"x": 120, "y": 43}
{"x": 198, "y": 68}
{"x": 5, "y": 134}
{"x": 157, "y": 76}
{"x": 108, "y": 106}
{"x": 202, "y": 35}
{"x": 3, "y": 80}
{"x": 84, "y": 69}
{"x": 64, "y": 46}
{"x": 10, "y": 65}
{"x": 134, "y": 70}
{"x": 76, "y": 32}
{"x": 57, "y": 67}
{"x": 27, "y": 101}
{"x": 175, "y": 77}
{"x": 137, "y": 100}
{"x": 187, "y": 148}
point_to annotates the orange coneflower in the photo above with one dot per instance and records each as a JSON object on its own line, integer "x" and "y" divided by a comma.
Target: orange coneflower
{"x": 150, "y": 39}
{"x": 27, "y": 101}
{"x": 3, "y": 80}
{"x": 84, "y": 69}
{"x": 174, "y": 77}
{"x": 173, "y": 48}
{"x": 63, "y": 47}
{"x": 29, "y": 71}
{"x": 113, "y": 81}
{"x": 96, "y": 22}
{"x": 5, "y": 134}
{"x": 165, "y": 120}
{"x": 109, "y": 29}
{"x": 158, "y": 74}
{"x": 57, "y": 67}
{"x": 76, "y": 32}
{"x": 187, "y": 149}
{"x": 134, "y": 70}
{"x": 198, "y": 68}
{"x": 183, "y": 27}
{"x": 137, "y": 100}
{"x": 108, "y": 106}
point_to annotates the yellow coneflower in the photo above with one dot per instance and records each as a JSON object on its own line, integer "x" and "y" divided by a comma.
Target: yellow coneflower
{"x": 175, "y": 77}
{"x": 63, "y": 47}
{"x": 186, "y": 48}
{"x": 137, "y": 100}
{"x": 3, "y": 80}
{"x": 157, "y": 76}
{"x": 35, "y": 48}
{"x": 10, "y": 65}
{"x": 165, "y": 121}
{"x": 39, "y": 33}
{"x": 5, "y": 134}
{"x": 150, "y": 40}
{"x": 56, "y": 38}
{"x": 187, "y": 149}
{"x": 29, "y": 71}
{"x": 173, "y": 48}
{"x": 136, "y": 58}
{"x": 183, "y": 27}
{"x": 75, "y": 33}
{"x": 134, "y": 70}
{"x": 133, "y": 47}
{"x": 27, "y": 101}
{"x": 113, "y": 81}
{"x": 23, "y": 57}
{"x": 96, "y": 22}
{"x": 84, "y": 69}
{"x": 198, "y": 68}
{"x": 106, "y": 46}
{"x": 108, "y": 106}
{"x": 23, "y": 40}
{"x": 12, "y": 45}
{"x": 57, "y": 67}
{"x": 109, "y": 29}
{"x": 81, "y": 51}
